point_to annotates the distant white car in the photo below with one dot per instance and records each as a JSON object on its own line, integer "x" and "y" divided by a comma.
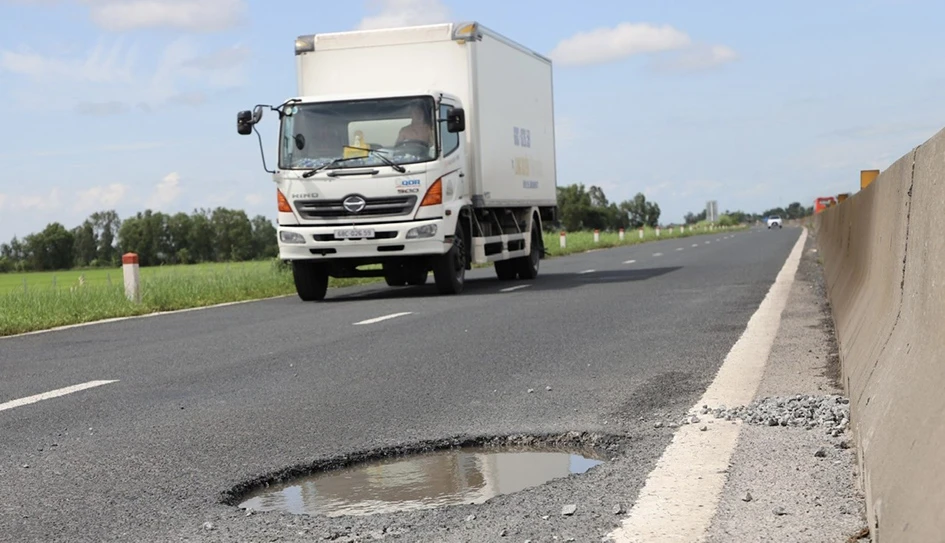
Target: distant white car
{"x": 773, "y": 221}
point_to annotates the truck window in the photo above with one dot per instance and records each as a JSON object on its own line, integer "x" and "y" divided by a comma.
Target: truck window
{"x": 450, "y": 141}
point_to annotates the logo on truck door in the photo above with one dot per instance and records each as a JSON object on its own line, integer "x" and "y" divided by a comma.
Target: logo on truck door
{"x": 354, "y": 204}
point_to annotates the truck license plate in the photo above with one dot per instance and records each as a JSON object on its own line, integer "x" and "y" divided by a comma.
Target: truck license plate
{"x": 354, "y": 233}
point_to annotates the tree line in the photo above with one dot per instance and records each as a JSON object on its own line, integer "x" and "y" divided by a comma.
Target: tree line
{"x": 793, "y": 211}
{"x": 581, "y": 208}
{"x": 218, "y": 235}
{"x": 229, "y": 235}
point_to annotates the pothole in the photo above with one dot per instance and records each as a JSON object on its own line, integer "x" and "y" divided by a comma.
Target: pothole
{"x": 424, "y": 480}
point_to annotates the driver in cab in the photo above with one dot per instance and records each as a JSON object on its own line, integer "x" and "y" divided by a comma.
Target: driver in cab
{"x": 419, "y": 129}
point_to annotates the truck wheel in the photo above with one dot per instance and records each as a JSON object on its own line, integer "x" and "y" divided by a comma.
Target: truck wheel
{"x": 449, "y": 270}
{"x": 417, "y": 277}
{"x": 506, "y": 270}
{"x": 394, "y": 275}
{"x": 311, "y": 280}
{"x": 528, "y": 266}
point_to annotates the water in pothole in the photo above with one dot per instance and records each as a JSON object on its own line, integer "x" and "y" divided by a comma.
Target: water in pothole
{"x": 422, "y": 481}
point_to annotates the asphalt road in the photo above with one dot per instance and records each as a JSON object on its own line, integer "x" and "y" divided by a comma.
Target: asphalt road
{"x": 210, "y": 399}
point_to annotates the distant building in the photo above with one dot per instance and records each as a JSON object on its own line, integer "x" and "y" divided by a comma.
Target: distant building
{"x": 712, "y": 211}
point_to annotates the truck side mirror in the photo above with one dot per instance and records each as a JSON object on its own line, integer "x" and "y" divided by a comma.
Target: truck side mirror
{"x": 244, "y": 122}
{"x": 456, "y": 120}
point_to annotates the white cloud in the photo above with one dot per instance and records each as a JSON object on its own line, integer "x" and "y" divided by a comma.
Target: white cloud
{"x": 166, "y": 191}
{"x": 102, "y": 64}
{"x": 100, "y": 81}
{"x": 100, "y": 197}
{"x": 393, "y": 13}
{"x": 190, "y": 15}
{"x": 39, "y": 202}
{"x": 701, "y": 57}
{"x": 608, "y": 44}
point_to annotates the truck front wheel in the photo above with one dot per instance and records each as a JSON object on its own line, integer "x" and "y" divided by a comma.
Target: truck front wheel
{"x": 449, "y": 270}
{"x": 311, "y": 280}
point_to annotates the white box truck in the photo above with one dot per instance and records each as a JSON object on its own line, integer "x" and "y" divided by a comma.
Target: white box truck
{"x": 413, "y": 149}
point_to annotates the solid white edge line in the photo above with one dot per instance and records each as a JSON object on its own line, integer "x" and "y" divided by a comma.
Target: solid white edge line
{"x": 586, "y": 271}
{"x": 383, "y": 318}
{"x": 681, "y": 494}
{"x": 516, "y": 287}
{"x": 52, "y": 394}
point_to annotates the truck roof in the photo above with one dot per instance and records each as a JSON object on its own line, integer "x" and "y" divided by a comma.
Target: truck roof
{"x": 456, "y": 31}
{"x": 370, "y": 95}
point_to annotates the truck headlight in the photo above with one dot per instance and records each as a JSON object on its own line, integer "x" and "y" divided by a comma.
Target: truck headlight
{"x": 291, "y": 237}
{"x": 425, "y": 231}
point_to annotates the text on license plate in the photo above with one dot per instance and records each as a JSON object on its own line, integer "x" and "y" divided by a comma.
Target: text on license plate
{"x": 354, "y": 233}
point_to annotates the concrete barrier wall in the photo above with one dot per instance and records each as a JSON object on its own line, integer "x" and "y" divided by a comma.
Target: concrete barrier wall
{"x": 884, "y": 257}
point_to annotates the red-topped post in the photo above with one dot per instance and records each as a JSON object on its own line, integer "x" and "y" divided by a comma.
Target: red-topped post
{"x": 129, "y": 264}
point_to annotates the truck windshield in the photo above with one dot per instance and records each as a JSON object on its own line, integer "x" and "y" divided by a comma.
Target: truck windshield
{"x": 314, "y": 135}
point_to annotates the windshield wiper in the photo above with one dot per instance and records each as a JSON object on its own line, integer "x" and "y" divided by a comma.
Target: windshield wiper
{"x": 336, "y": 161}
{"x": 380, "y": 155}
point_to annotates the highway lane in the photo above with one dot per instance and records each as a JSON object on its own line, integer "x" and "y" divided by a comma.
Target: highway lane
{"x": 207, "y": 399}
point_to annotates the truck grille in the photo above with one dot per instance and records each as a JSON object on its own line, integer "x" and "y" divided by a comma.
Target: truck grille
{"x": 374, "y": 207}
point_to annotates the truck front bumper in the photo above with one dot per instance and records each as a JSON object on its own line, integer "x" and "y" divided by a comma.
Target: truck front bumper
{"x": 389, "y": 240}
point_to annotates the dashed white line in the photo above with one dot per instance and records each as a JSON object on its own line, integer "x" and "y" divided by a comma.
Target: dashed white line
{"x": 516, "y": 287}
{"x": 680, "y": 249}
{"x": 630, "y": 262}
{"x": 52, "y": 394}
{"x": 586, "y": 271}
{"x": 695, "y": 244}
{"x": 681, "y": 494}
{"x": 657, "y": 254}
{"x": 708, "y": 242}
{"x": 384, "y": 318}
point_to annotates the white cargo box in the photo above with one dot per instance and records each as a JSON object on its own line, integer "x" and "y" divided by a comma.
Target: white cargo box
{"x": 505, "y": 88}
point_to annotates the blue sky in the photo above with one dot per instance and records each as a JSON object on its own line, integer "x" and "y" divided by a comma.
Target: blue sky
{"x": 128, "y": 104}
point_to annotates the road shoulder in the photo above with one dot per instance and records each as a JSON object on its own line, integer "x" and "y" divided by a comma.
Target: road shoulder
{"x": 795, "y": 483}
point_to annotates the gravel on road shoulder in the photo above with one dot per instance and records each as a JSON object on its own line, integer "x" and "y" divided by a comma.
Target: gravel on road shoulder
{"x": 793, "y": 476}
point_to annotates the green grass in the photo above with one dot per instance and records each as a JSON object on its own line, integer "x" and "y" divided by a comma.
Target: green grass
{"x": 38, "y": 301}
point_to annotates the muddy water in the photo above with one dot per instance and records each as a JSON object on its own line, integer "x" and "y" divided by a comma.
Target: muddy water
{"x": 419, "y": 482}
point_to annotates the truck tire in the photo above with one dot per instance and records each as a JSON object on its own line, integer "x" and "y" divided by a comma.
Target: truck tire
{"x": 506, "y": 270}
{"x": 417, "y": 277}
{"x": 449, "y": 270}
{"x": 528, "y": 266}
{"x": 311, "y": 280}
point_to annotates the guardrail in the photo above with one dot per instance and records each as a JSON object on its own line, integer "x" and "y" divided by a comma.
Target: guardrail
{"x": 884, "y": 251}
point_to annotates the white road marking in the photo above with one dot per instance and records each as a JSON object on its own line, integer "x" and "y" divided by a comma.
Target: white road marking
{"x": 681, "y": 494}
{"x": 52, "y": 394}
{"x": 516, "y": 287}
{"x": 708, "y": 242}
{"x": 679, "y": 249}
{"x": 695, "y": 244}
{"x": 586, "y": 271}
{"x": 630, "y": 262}
{"x": 657, "y": 254}
{"x": 384, "y": 318}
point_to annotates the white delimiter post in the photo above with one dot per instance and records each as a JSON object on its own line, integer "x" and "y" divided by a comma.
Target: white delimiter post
{"x": 596, "y": 236}
{"x": 563, "y": 240}
{"x": 129, "y": 264}
{"x": 621, "y": 234}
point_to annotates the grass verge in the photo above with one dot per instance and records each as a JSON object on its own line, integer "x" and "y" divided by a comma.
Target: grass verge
{"x": 39, "y": 301}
